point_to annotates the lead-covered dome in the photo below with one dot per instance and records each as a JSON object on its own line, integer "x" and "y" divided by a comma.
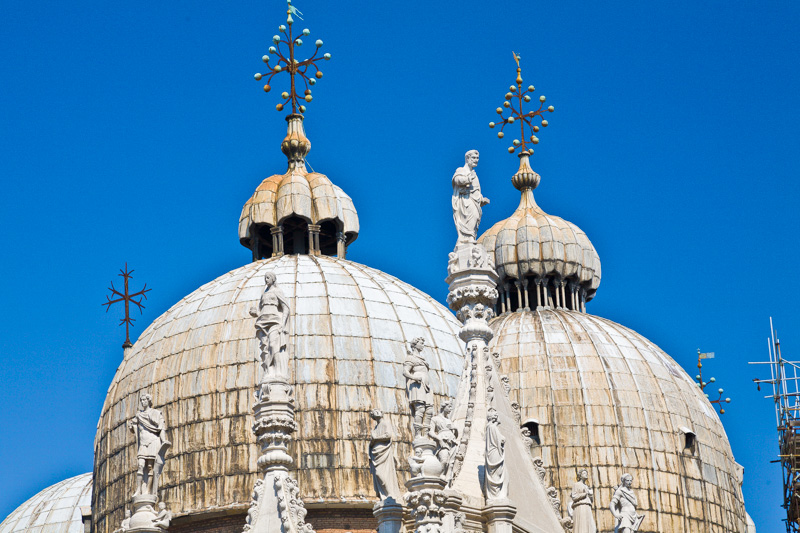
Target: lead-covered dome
{"x": 298, "y": 211}
{"x": 603, "y": 397}
{"x": 56, "y": 509}
{"x": 349, "y": 332}
{"x": 542, "y": 260}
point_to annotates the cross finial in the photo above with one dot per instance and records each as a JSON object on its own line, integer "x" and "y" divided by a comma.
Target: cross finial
{"x": 516, "y": 113}
{"x": 127, "y": 298}
{"x": 286, "y": 62}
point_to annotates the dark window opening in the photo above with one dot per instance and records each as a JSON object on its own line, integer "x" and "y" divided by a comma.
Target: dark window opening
{"x": 327, "y": 237}
{"x": 295, "y": 236}
{"x": 690, "y": 442}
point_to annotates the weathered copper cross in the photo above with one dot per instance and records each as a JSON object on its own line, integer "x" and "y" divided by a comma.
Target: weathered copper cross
{"x": 127, "y": 298}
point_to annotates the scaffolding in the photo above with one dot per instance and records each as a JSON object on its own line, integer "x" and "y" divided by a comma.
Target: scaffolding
{"x": 786, "y": 396}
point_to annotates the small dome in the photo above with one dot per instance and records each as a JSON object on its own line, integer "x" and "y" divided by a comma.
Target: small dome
{"x": 603, "y": 397}
{"x": 350, "y": 328}
{"x": 56, "y": 509}
{"x": 549, "y": 257}
{"x": 299, "y": 211}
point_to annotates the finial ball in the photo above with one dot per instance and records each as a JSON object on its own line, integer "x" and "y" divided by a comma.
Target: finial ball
{"x": 534, "y": 139}
{"x": 500, "y": 134}
{"x": 506, "y": 104}
{"x": 281, "y": 28}
{"x": 527, "y": 98}
{"x": 312, "y": 81}
{"x": 499, "y": 110}
{"x": 318, "y": 43}
{"x": 265, "y": 58}
{"x": 509, "y": 96}
{"x": 327, "y": 57}
{"x": 298, "y": 42}
{"x": 284, "y": 95}
{"x": 512, "y": 88}
{"x": 302, "y": 109}
{"x": 515, "y": 142}
{"x": 267, "y": 88}
{"x": 545, "y": 123}
{"x": 531, "y": 88}
{"x": 536, "y": 128}
{"x": 511, "y": 149}
{"x": 318, "y": 74}
{"x": 492, "y": 124}
{"x": 273, "y": 50}
{"x": 308, "y": 98}
{"x": 551, "y": 109}
{"x": 257, "y": 76}
{"x": 276, "y": 39}
{"x": 511, "y": 120}
{"x": 277, "y": 68}
{"x": 279, "y": 107}
{"x": 542, "y": 98}
{"x": 306, "y": 32}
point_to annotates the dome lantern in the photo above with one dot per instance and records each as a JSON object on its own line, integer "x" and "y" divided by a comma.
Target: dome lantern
{"x": 543, "y": 260}
{"x": 298, "y": 212}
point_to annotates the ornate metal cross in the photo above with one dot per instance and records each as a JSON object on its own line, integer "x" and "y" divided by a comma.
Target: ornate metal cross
{"x": 517, "y": 115}
{"x": 127, "y": 298}
{"x": 288, "y": 63}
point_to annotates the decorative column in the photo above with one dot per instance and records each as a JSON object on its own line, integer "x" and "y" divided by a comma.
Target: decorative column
{"x": 341, "y": 245}
{"x": 525, "y": 292}
{"x": 274, "y": 423}
{"x": 313, "y": 239}
{"x": 539, "y": 302}
{"x": 277, "y": 240}
{"x": 519, "y": 296}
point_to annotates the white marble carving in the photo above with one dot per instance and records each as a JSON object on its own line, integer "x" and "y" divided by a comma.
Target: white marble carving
{"x": 623, "y": 506}
{"x": 445, "y": 434}
{"x": 255, "y": 498}
{"x": 382, "y": 459}
{"x": 272, "y": 320}
{"x": 582, "y": 500}
{"x": 495, "y": 479}
{"x": 162, "y": 519}
{"x": 467, "y": 199}
{"x": 151, "y": 445}
{"x": 418, "y": 387}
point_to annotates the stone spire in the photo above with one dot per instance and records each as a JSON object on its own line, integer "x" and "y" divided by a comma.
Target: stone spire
{"x": 490, "y": 468}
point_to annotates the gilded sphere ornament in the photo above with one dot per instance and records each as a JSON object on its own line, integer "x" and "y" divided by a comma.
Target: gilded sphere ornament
{"x": 492, "y": 124}
{"x": 513, "y": 88}
{"x": 511, "y": 120}
{"x": 318, "y": 43}
{"x": 308, "y": 91}
{"x": 318, "y": 74}
{"x": 312, "y": 81}
{"x": 279, "y": 107}
{"x": 267, "y": 88}
{"x": 544, "y": 123}
{"x": 281, "y": 28}
{"x": 527, "y": 98}
{"x": 306, "y": 32}
{"x": 551, "y": 109}
{"x": 302, "y": 109}
{"x": 298, "y": 42}
{"x": 536, "y": 128}
{"x": 276, "y": 38}
{"x": 284, "y": 95}
{"x": 506, "y": 104}
{"x": 511, "y": 149}
{"x": 308, "y": 98}
{"x": 499, "y": 110}
{"x": 327, "y": 57}
{"x": 265, "y": 58}
{"x": 257, "y": 76}
{"x": 531, "y": 88}
{"x": 542, "y": 98}
{"x": 500, "y": 134}
{"x": 509, "y": 96}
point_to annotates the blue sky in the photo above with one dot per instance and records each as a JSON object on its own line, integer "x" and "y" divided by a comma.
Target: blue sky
{"x": 135, "y": 132}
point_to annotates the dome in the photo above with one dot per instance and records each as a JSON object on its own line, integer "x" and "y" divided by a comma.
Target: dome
{"x": 56, "y": 509}
{"x": 552, "y": 259}
{"x": 298, "y": 211}
{"x": 349, "y": 332}
{"x": 603, "y": 397}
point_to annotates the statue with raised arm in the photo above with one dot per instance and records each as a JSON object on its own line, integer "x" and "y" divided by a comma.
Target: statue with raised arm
{"x": 623, "y": 506}
{"x": 151, "y": 445}
{"x": 495, "y": 478}
{"x": 418, "y": 387}
{"x": 444, "y": 433}
{"x": 382, "y": 460}
{"x": 467, "y": 199}
{"x": 272, "y": 320}
{"x": 582, "y": 497}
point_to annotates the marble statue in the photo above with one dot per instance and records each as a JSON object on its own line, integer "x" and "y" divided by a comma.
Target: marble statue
{"x": 467, "y": 199}
{"x": 582, "y": 497}
{"x": 418, "y": 387}
{"x": 252, "y": 510}
{"x": 444, "y": 433}
{"x": 495, "y": 479}
{"x": 272, "y": 319}
{"x": 151, "y": 443}
{"x": 527, "y": 440}
{"x": 163, "y": 517}
{"x": 382, "y": 460}
{"x": 623, "y": 507}
{"x": 458, "y": 522}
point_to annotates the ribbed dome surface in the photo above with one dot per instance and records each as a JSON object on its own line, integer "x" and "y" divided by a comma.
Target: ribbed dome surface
{"x": 532, "y": 243}
{"x": 56, "y": 509}
{"x": 310, "y": 196}
{"x": 349, "y": 333}
{"x": 610, "y": 400}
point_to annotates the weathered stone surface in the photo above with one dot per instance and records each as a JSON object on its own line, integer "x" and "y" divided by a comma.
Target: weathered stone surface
{"x": 608, "y": 399}
{"x": 349, "y": 332}
{"x": 56, "y": 509}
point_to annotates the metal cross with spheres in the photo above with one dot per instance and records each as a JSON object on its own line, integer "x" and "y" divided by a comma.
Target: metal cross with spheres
{"x": 286, "y": 62}
{"x": 515, "y": 92}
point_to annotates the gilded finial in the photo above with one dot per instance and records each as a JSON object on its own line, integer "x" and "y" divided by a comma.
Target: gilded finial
{"x": 286, "y": 62}
{"x": 517, "y": 115}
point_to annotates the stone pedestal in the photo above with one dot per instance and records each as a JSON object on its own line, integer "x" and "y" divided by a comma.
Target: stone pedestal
{"x": 277, "y": 492}
{"x": 389, "y": 513}
{"x": 499, "y": 514}
{"x": 144, "y": 513}
{"x": 426, "y": 500}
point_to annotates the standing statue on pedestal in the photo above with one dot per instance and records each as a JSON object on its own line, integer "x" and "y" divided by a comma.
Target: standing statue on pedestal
{"x": 467, "y": 199}
{"x": 495, "y": 479}
{"x": 444, "y": 433}
{"x": 382, "y": 460}
{"x": 418, "y": 387}
{"x": 151, "y": 445}
{"x": 623, "y": 507}
{"x": 272, "y": 319}
{"x": 582, "y": 497}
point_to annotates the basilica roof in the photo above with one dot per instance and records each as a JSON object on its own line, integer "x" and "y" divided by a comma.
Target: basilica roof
{"x": 56, "y": 509}
{"x": 605, "y": 398}
{"x": 350, "y": 329}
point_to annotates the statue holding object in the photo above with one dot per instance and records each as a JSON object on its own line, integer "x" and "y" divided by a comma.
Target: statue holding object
{"x": 418, "y": 387}
{"x": 467, "y": 199}
{"x": 382, "y": 459}
{"x": 272, "y": 320}
{"x": 151, "y": 445}
{"x": 623, "y": 506}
